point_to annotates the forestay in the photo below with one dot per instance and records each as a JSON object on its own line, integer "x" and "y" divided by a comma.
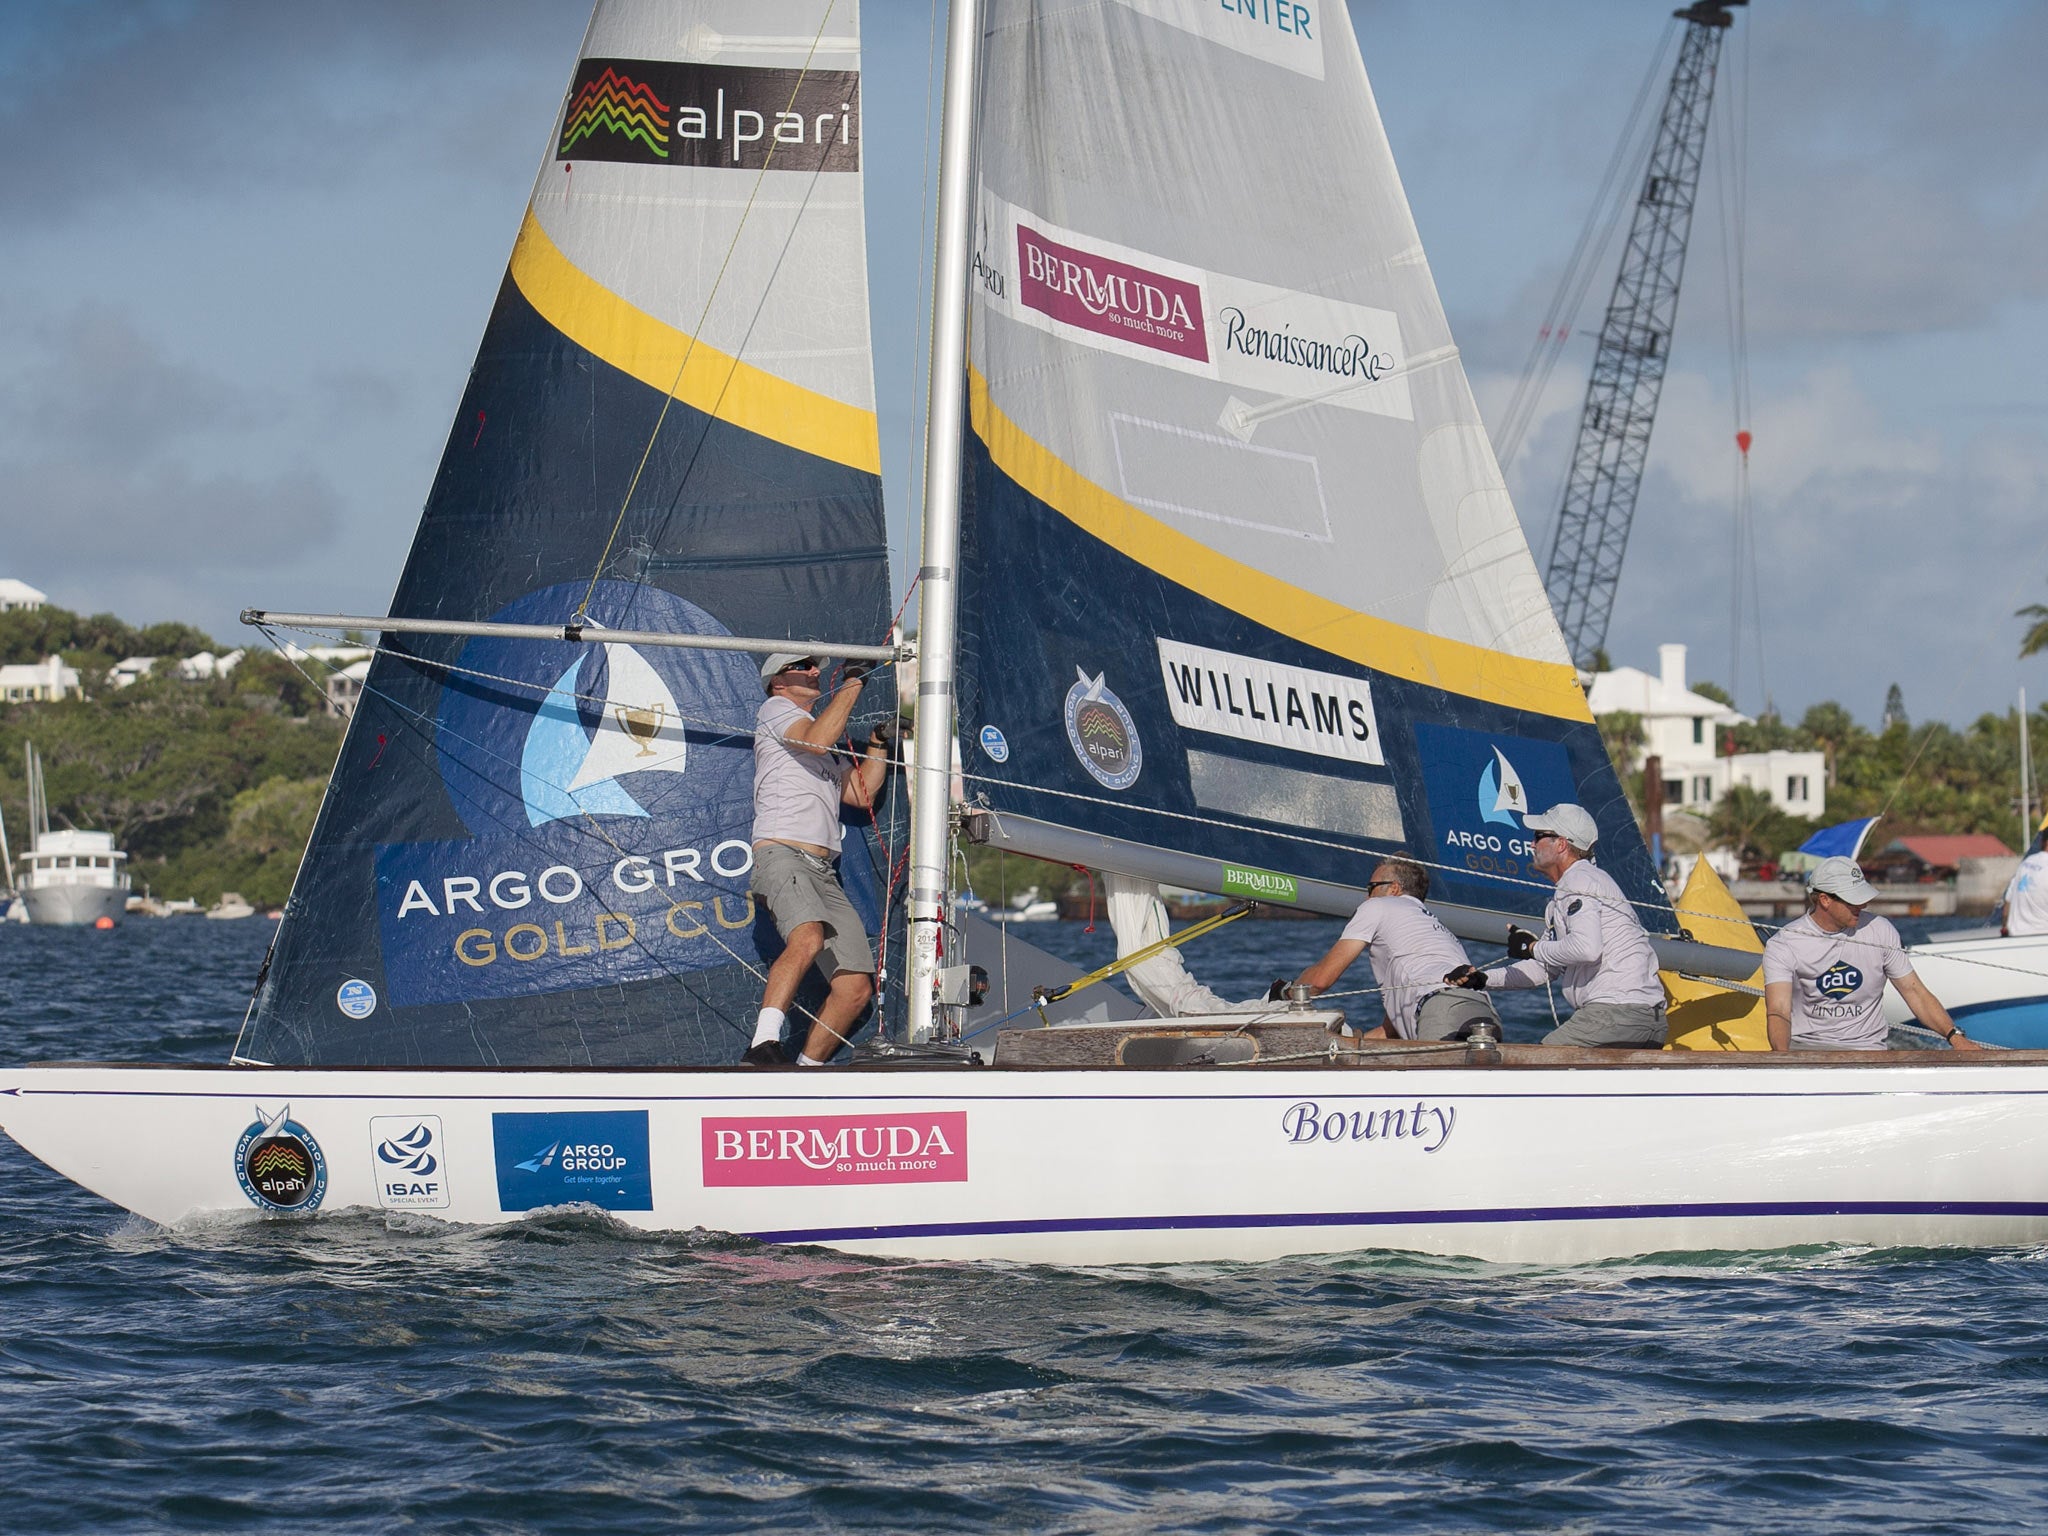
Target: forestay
{"x": 1241, "y": 577}
{"x": 537, "y": 853}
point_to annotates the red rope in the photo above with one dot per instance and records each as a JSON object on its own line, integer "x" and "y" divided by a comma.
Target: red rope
{"x": 1084, "y": 869}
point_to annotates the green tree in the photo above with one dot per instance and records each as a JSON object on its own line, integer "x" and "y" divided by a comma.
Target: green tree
{"x": 1748, "y": 821}
{"x": 1715, "y": 692}
{"x": 2036, "y": 639}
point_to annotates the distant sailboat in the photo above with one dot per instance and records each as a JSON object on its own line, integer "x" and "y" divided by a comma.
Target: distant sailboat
{"x": 1220, "y": 588}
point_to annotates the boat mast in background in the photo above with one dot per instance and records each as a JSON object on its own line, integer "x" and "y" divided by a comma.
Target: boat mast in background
{"x": 938, "y": 575}
{"x": 2026, "y": 778}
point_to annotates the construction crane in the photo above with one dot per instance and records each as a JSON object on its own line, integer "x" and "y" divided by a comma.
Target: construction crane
{"x": 1635, "y": 342}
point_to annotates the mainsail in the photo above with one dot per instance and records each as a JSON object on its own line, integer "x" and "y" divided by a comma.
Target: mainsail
{"x": 536, "y": 853}
{"x": 1241, "y": 581}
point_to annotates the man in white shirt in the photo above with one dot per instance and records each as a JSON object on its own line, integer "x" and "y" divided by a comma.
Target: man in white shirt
{"x": 1412, "y": 954}
{"x": 2026, "y": 898}
{"x": 1592, "y": 941}
{"x": 799, "y": 784}
{"x": 1824, "y": 973}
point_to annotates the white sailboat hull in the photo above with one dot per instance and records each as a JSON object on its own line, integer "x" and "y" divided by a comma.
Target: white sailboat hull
{"x": 1520, "y": 1164}
{"x": 1996, "y": 988}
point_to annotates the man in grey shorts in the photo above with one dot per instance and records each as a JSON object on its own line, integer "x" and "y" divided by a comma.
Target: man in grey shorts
{"x": 800, "y": 782}
{"x": 1411, "y": 952}
{"x": 1592, "y": 941}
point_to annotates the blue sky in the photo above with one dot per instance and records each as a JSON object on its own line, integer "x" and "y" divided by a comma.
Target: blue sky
{"x": 242, "y": 298}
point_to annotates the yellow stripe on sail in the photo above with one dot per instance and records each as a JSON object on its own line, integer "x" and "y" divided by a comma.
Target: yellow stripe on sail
{"x": 696, "y": 373}
{"x": 1702, "y": 1016}
{"x": 1473, "y": 671}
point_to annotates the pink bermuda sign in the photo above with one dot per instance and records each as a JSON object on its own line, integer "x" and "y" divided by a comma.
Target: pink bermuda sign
{"x": 1110, "y": 297}
{"x": 914, "y": 1148}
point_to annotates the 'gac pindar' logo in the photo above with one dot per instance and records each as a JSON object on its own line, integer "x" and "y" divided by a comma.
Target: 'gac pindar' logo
{"x": 1838, "y": 981}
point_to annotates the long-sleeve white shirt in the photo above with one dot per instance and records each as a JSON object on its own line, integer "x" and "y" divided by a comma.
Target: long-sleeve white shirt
{"x": 1592, "y": 941}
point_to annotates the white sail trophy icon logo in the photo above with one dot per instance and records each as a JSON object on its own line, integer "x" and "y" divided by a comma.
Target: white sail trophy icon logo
{"x": 1501, "y": 796}
{"x": 566, "y": 770}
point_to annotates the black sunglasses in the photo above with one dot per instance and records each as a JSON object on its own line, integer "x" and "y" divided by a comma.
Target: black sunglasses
{"x": 808, "y": 664}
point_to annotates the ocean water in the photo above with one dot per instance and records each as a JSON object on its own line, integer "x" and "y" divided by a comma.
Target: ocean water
{"x": 387, "y": 1374}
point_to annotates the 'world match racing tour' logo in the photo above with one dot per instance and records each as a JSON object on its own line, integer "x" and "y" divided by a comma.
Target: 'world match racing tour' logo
{"x": 663, "y": 112}
{"x": 279, "y": 1165}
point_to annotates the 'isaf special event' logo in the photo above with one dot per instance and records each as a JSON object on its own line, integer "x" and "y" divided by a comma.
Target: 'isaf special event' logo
{"x": 910, "y": 1148}
{"x": 609, "y": 793}
{"x": 406, "y": 1162}
{"x": 1102, "y": 733}
{"x": 573, "y": 1157}
{"x": 666, "y": 112}
{"x": 279, "y": 1164}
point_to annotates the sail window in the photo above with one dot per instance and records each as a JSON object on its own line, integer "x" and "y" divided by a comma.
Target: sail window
{"x": 1183, "y": 473}
{"x": 1292, "y": 798}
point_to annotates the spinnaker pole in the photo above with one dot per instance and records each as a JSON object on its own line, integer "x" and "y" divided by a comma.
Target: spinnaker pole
{"x": 939, "y": 577}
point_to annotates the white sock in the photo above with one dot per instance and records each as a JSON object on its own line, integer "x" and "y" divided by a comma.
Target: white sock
{"x": 768, "y": 1026}
{"x": 803, "y": 1060}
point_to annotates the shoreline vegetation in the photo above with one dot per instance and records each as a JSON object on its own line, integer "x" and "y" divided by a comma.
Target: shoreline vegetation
{"x": 212, "y": 785}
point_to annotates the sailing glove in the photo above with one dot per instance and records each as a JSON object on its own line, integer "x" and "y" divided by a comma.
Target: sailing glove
{"x": 1277, "y": 993}
{"x": 883, "y": 736}
{"x": 1467, "y": 976}
{"x": 1521, "y": 943}
{"x": 854, "y": 671}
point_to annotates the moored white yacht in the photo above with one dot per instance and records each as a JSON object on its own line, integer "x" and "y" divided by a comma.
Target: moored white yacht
{"x": 68, "y": 878}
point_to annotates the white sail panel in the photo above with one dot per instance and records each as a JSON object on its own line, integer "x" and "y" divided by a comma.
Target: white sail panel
{"x": 1316, "y": 385}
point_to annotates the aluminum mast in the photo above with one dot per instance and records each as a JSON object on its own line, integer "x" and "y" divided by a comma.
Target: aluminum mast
{"x": 932, "y": 756}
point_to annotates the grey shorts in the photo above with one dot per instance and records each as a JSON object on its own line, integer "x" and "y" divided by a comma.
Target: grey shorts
{"x": 1450, "y": 1014}
{"x": 798, "y": 888}
{"x": 1625, "y": 1026}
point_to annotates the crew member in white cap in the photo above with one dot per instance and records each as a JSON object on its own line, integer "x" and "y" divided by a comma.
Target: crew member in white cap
{"x": 2025, "y": 909}
{"x": 1592, "y": 941}
{"x": 1824, "y": 973}
{"x": 799, "y": 784}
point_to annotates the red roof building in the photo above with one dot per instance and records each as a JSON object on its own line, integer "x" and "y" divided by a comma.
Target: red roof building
{"x": 1933, "y": 857}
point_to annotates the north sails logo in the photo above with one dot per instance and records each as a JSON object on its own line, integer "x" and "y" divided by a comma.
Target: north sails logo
{"x": 614, "y": 103}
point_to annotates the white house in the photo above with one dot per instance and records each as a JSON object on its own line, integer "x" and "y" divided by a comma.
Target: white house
{"x": 345, "y": 687}
{"x": 39, "y": 682}
{"x": 19, "y": 596}
{"x": 1685, "y": 729}
{"x": 130, "y": 669}
{"x": 197, "y": 668}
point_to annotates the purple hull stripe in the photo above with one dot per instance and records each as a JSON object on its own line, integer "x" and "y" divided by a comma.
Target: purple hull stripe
{"x": 1413, "y": 1218}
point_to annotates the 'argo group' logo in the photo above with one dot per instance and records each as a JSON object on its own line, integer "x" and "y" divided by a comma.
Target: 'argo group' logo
{"x": 1102, "y": 733}
{"x": 1501, "y": 796}
{"x": 1838, "y": 981}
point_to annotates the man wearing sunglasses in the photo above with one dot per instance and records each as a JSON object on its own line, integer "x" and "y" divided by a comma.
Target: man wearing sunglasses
{"x": 1592, "y": 942}
{"x": 800, "y": 782}
{"x": 1824, "y": 973}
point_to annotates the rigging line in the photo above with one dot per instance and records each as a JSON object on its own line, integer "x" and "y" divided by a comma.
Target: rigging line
{"x": 1579, "y": 268}
{"x": 760, "y": 176}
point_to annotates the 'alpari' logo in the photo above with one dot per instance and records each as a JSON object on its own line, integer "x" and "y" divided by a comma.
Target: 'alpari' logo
{"x": 620, "y": 106}
{"x": 1501, "y": 796}
{"x": 1102, "y": 733}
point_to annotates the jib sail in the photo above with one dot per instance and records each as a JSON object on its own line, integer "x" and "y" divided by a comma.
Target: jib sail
{"x": 537, "y": 852}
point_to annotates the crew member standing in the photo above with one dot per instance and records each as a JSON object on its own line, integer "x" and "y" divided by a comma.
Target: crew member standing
{"x": 800, "y": 782}
{"x": 2026, "y": 898}
{"x": 1824, "y": 973}
{"x": 1592, "y": 941}
{"x": 1411, "y": 952}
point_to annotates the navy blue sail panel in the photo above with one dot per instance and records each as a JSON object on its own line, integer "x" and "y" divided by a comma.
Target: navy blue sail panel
{"x": 1099, "y": 695}
{"x": 537, "y": 853}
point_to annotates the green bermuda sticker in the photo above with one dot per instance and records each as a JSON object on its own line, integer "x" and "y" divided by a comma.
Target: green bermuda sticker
{"x": 1259, "y": 884}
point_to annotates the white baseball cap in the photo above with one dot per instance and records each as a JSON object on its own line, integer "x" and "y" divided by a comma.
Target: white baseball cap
{"x": 779, "y": 660}
{"x": 1568, "y": 821}
{"x": 1844, "y": 878}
